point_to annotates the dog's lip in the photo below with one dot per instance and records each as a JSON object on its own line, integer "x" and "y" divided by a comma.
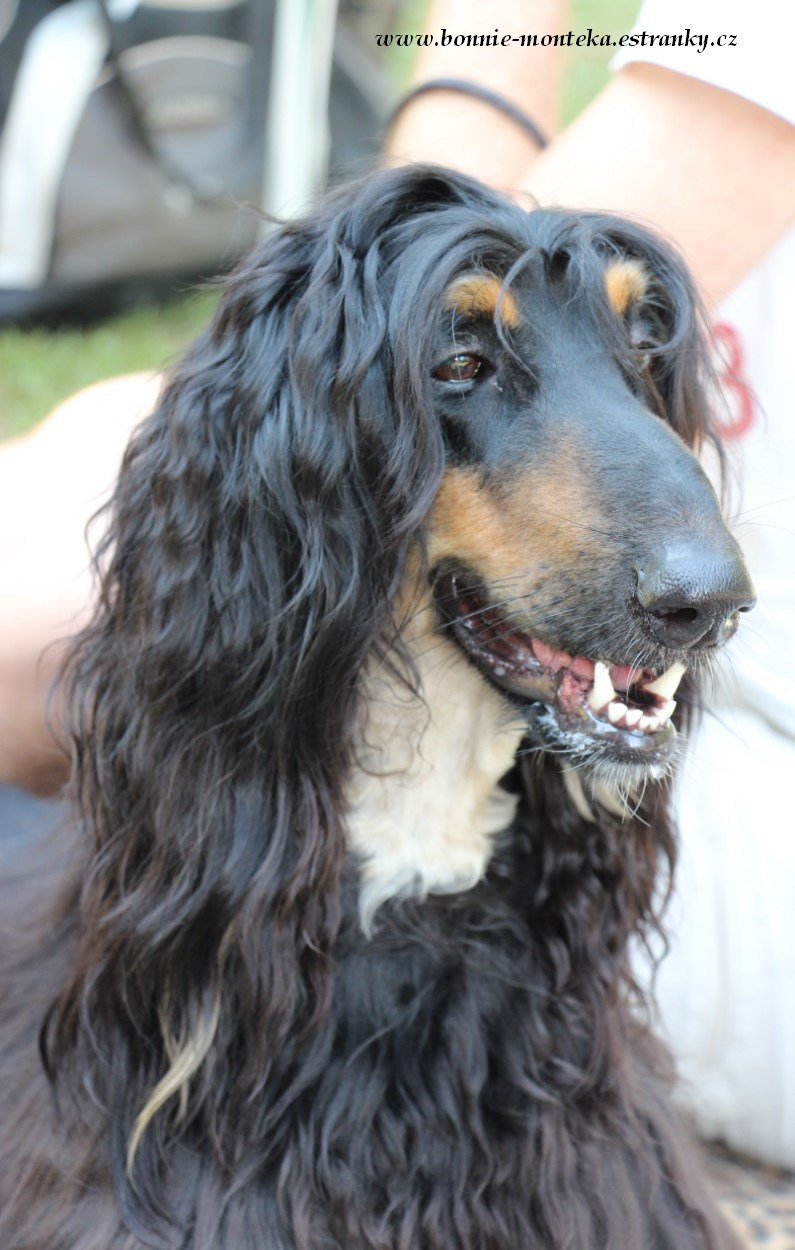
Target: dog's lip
{"x": 620, "y": 706}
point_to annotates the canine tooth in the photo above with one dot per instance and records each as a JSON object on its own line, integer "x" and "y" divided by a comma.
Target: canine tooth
{"x": 611, "y": 802}
{"x": 633, "y": 717}
{"x": 666, "y": 684}
{"x": 602, "y": 691}
{"x": 665, "y": 710}
{"x": 616, "y": 712}
{"x": 573, "y": 783}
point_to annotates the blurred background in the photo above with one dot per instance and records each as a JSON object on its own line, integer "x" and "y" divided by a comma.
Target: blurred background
{"x": 163, "y": 159}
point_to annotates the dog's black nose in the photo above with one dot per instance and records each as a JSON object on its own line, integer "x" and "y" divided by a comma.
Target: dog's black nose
{"x": 691, "y": 594}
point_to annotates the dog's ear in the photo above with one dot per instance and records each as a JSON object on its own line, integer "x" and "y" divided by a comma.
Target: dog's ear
{"x": 256, "y": 542}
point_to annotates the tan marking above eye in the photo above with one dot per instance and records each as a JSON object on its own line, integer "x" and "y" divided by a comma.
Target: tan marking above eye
{"x": 482, "y": 295}
{"x": 626, "y": 282}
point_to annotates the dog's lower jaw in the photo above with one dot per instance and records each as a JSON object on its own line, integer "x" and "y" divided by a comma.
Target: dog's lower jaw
{"x": 424, "y": 801}
{"x": 595, "y": 779}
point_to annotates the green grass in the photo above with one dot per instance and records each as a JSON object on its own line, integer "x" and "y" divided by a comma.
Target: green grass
{"x": 40, "y": 367}
{"x": 587, "y": 69}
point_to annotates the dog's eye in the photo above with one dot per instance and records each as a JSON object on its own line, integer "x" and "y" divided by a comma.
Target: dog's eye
{"x": 460, "y": 368}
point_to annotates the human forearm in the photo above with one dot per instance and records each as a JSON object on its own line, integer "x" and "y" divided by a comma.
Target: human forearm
{"x": 467, "y": 134}
{"x": 713, "y": 172}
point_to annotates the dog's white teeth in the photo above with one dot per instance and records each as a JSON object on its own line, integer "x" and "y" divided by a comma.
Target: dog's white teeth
{"x": 602, "y": 691}
{"x": 616, "y": 712}
{"x": 666, "y": 685}
{"x": 647, "y": 720}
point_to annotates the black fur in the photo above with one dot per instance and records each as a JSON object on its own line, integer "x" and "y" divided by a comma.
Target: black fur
{"x": 470, "y": 1076}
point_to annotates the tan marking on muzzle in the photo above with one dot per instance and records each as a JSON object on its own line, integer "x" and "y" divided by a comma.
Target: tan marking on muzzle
{"x": 543, "y": 516}
{"x": 482, "y": 295}
{"x": 626, "y": 282}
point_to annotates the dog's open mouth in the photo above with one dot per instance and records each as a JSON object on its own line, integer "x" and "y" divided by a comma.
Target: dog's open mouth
{"x": 615, "y": 706}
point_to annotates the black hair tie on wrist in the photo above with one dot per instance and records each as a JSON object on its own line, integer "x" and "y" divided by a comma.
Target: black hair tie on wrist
{"x": 464, "y": 87}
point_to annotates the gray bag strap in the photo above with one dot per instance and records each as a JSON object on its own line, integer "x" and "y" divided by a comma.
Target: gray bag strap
{"x": 298, "y": 47}
{"x": 178, "y": 180}
{"x": 135, "y": 115}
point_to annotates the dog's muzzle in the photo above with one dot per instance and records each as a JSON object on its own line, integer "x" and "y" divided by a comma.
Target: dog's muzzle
{"x": 585, "y": 705}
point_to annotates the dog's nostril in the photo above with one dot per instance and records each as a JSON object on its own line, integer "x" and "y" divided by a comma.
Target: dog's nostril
{"x": 691, "y": 596}
{"x": 677, "y": 616}
{"x": 676, "y": 625}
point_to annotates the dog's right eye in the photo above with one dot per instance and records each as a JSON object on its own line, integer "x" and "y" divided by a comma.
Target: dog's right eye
{"x": 463, "y": 367}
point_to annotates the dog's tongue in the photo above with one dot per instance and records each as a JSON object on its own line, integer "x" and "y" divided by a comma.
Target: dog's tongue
{"x": 578, "y": 666}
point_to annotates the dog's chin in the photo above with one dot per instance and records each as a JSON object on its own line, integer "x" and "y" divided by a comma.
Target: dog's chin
{"x": 603, "y": 717}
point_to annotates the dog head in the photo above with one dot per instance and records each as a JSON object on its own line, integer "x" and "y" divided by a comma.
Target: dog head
{"x": 577, "y": 551}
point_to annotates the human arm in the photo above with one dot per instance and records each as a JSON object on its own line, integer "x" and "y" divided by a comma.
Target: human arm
{"x": 468, "y": 134}
{"x": 711, "y": 170}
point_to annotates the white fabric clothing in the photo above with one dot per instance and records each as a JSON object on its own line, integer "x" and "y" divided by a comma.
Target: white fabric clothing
{"x": 758, "y": 66}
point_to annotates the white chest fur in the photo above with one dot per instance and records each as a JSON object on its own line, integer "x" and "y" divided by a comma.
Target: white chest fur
{"x": 424, "y": 802}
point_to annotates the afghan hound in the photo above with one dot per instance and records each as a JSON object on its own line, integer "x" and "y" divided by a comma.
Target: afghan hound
{"x": 372, "y": 731}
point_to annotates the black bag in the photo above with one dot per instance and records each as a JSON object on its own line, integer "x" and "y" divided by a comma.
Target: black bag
{"x": 132, "y": 144}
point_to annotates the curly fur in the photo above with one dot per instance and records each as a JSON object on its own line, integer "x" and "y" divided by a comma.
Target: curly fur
{"x": 235, "y": 1061}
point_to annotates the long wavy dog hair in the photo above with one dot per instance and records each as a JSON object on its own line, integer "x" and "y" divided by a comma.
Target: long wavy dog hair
{"x": 258, "y": 540}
